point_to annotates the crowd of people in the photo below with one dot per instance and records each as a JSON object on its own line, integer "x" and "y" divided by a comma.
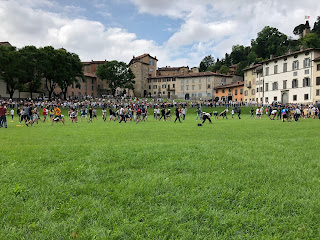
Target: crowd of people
{"x": 137, "y": 110}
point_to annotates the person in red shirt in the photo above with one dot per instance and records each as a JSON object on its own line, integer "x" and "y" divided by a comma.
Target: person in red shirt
{"x": 44, "y": 113}
{"x": 3, "y": 116}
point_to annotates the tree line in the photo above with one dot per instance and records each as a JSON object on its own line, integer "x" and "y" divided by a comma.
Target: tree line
{"x": 25, "y": 69}
{"x": 270, "y": 41}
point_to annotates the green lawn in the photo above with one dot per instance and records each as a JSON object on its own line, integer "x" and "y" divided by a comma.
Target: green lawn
{"x": 234, "y": 179}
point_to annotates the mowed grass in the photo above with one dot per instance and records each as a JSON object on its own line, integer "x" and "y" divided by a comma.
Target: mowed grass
{"x": 234, "y": 179}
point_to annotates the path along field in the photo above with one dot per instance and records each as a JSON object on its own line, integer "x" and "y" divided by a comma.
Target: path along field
{"x": 234, "y": 179}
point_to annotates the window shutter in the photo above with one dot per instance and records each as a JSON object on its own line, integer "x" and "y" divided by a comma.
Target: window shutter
{"x": 292, "y": 65}
{"x": 304, "y": 82}
{"x": 297, "y": 65}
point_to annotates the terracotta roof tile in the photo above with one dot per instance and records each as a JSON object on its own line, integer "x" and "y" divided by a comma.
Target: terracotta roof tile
{"x": 237, "y": 84}
{"x": 202, "y": 74}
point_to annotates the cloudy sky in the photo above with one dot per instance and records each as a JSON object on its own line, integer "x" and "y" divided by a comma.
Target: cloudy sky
{"x": 177, "y": 32}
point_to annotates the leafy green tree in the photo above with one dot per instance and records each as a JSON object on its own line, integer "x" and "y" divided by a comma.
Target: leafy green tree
{"x": 31, "y": 74}
{"x": 69, "y": 69}
{"x": 10, "y": 68}
{"x": 270, "y": 42}
{"x": 316, "y": 26}
{"x": 252, "y": 58}
{"x": 312, "y": 40}
{"x": 224, "y": 69}
{"x": 298, "y": 30}
{"x": 206, "y": 63}
{"x": 239, "y": 53}
{"x": 117, "y": 74}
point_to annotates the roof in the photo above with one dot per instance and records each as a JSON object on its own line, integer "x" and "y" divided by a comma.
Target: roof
{"x": 202, "y": 74}
{"x": 168, "y": 68}
{"x": 94, "y": 62}
{"x": 5, "y": 44}
{"x": 136, "y": 59}
{"x": 316, "y": 59}
{"x": 237, "y": 84}
{"x": 170, "y": 76}
{"x": 251, "y": 67}
{"x": 290, "y": 54}
{"x": 86, "y": 74}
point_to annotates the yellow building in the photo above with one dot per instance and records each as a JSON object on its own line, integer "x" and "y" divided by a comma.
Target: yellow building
{"x": 250, "y": 77}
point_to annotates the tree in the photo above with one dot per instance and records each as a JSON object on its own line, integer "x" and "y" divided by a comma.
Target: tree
{"x": 270, "y": 42}
{"x": 206, "y": 63}
{"x": 30, "y": 76}
{"x": 298, "y": 30}
{"x": 312, "y": 40}
{"x": 49, "y": 66}
{"x": 10, "y": 68}
{"x": 224, "y": 69}
{"x": 239, "y": 53}
{"x": 69, "y": 70}
{"x": 252, "y": 58}
{"x": 117, "y": 74}
{"x": 316, "y": 26}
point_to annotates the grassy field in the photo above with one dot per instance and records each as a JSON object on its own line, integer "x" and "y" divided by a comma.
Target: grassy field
{"x": 234, "y": 179}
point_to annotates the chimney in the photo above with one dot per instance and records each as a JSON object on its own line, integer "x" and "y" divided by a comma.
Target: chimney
{"x": 271, "y": 56}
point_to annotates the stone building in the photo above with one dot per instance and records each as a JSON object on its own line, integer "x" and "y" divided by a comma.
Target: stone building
{"x": 143, "y": 67}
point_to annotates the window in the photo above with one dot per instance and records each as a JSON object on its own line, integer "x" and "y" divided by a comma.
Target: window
{"x": 295, "y": 74}
{"x": 275, "y": 98}
{"x": 72, "y": 94}
{"x": 266, "y": 88}
{"x": 261, "y": 89}
{"x": 181, "y": 81}
{"x": 199, "y": 87}
{"x": 275, "y": 86}
{"x": 192, "y": 80}
{"x": 135, "y": 66}
{"x": 229, "y": 90}
{"x": 209, "y": 94}
{"x": 267, "y": 99}
{"x": 181, "y": 88}
{"x": 223, "y": 90}
{"x": 241, "y": 91}
{"x": 85, "y": 87}
{"x": 257, "y": 89}
{"x": 187, "y": 87}
{"x": 285, "y": 67}
{"x": 173, "y": 85}
{"x": 306, "y": 82}
{"x": 92, "y": 81}
{"x": 294, "y": 97}
{"x": 151, "y": 63}
{"x": 306, "y": 62}
{"x": 200, "y": 95}
{"x": 285, "y": 84}
{"x": 236, "y": 92}
{"x": 246, "y": 92}
{"x": 154, "y": 93}
{"x": 149, "y": 87}
{"x": 252, "y": 92}
{"x": 317, "y": 92}
{"x": 164, "y": 86}
{"x": 306, "y": 71}
{"x": 275, "y": 69}
{"x": 187, "y": 81}
{"x": 306, "y": 96}
{"x": 295, "y": 83}
{"x": 209, "y": 86}
{"x": 192, "y": 87}
{"x": 151, "y": 69}
{"x": 318, "y": 67}
{"x": 267, "y": 71}
{"x": 295, "y": 65}
{"x": 92, "y": 88}
{"x": 163, "y": 92}
{"x": 209, "y": 80}
{"x": 155, "y": 87}
{"x": 217, "y": 91}
{"x": 199, "y": 80}
{"x": 318, "y": 81}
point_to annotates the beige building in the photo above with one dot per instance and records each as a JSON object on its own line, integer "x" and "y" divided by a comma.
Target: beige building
{"x": 194, "y": 86}
{"x": 162, "y": 86}
{"x": 316, "y": 80}
{"x": 172, "y": 71}
{"x": 143, "y": 67}
{"x": 250, "y": 76}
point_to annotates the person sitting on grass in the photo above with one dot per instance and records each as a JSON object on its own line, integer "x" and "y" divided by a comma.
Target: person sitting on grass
{"x": 58, "y": 116}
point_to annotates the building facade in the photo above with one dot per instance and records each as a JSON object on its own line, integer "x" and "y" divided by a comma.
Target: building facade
{"x": 250, "y": 78}
{"x": 143, "y": 67}
{"x": 230, "y": 92}
{"x": 290, "y": 78}
{"x": 195, "y": 86}
{"x": 316, "y": 80}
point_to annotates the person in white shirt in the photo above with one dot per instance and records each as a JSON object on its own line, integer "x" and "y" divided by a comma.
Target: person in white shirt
{"x": 184, "y": 112}
{"x": 12, "y": 113}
